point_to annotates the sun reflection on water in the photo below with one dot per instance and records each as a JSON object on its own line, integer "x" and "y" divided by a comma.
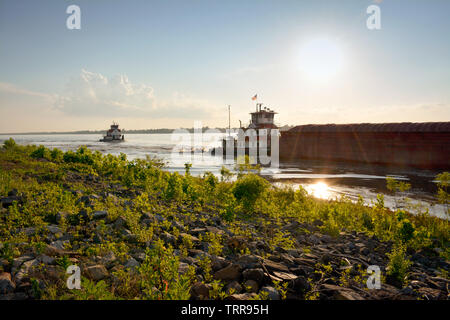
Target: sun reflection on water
{"x": 319, "y": 190}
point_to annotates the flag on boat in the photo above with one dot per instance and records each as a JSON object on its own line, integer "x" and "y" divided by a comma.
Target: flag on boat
{"x": 255, "y": 97}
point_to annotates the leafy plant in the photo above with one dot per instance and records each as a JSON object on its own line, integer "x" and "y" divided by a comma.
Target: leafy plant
{"x": 398, "y": 265}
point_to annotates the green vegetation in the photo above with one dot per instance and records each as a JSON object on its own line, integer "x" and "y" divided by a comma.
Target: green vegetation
{"x": 69, "y": 188}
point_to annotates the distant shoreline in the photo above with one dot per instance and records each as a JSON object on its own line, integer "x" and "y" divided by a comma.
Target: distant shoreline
{"x": 145, "y": 131}
{"x": 138, "y": 131}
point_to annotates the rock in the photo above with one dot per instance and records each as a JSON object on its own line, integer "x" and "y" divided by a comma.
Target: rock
{"x": 197, "y": 231}
{"x": 96, "y": 272}
{"x": 242, "y": 296}
{"x": 183, "y": 268}
{"x": 215, "y": 230}
{"x": 59, "y": 244}
{"x": 303, "y": 270}
{"x": 341, "y": 293}
{"x": 120, "y": 223}
{"x": 229, "y": 273}
{"x": 177, "y": 225}
{"x": 198, "y": 254}
{"x": 249, "y": 261}
{"x": 29, "y": 231}
{"x": 14, "y": 296}
{"x": 6, "y": 284}
{"x": 294, "y": 253}
{"x": 54, "y": 229}
{"x": 168, "y": 238}
{"x": 131, "y": 263}
{"x": 409, "y": 291}
{"x": 109, "y": 259}
{"x": 314, "y": 240}
{"x": 430, "y": 294}
{"x": 53, "y": 251}
{"x": 13, "y": 193}
{"x": 21, "y": 275}
{"x": 326, "y": 258}
{"x": 4, "y": 264}
{"x": 45, "y": 259}
{"x": 272, "y": 292}
{"x": 139, "y": 256}
{"x": 233, "y": 286}
{"x": 200, "y": 290}
{"x": 100, "y": 214}
{"x": 17, "y": 262}
{"x": 251, "y": 286}
{"x": 218, "y": 263}
{"x": 8, "y": 201}
{"x": 192, "y": 238}
{"x": 317, "y": 223}
{"x": 300, "y": 284}
{"x": 261, "y": 245}
{"x": 254, "y": 274}
{"x": 282, "y": 276}
{"x": 237, "y": 243}
{"x": 271, "y": 265}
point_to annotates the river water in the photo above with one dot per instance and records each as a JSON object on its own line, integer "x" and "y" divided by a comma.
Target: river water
{"x": 322, "y": 180}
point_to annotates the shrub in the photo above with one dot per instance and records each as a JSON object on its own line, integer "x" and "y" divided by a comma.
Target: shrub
{"x": 248, "y": 189}
{"x": 398, "y": 265}
{"x": 9, "y": 144}
{"x": 406, "y": 230}
{"x": 443, "y": 195}
{"x": 41, "y": 152}
{"x": 160, "y": 277}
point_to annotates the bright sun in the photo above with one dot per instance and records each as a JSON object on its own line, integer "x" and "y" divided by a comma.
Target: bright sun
{"x": 321, "y": 59}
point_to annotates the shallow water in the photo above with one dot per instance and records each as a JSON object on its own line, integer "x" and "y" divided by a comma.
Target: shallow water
{"x": 328, "y": 181}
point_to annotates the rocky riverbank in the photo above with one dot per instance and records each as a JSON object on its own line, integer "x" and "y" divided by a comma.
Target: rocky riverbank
{"x": 132, "y": 242}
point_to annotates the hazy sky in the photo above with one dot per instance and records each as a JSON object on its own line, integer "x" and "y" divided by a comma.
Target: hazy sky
{"x": 168, "y": 63}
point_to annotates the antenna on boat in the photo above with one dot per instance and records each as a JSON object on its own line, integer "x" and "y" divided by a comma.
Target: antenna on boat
{"x": 229, "y": 120}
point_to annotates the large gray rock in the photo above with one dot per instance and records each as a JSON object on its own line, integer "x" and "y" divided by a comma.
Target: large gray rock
{"x": 229, "y": 273}
{"x": 59, "y": 244}
{"x": 256, "y": 274}
{"x": 341, "y": 293}
{"x": 96, "y": 272}
{"x": 131, "y": 263}
{"x": 23, "y": 273}
{"x": 97, "y": 215}
{"x": 53, "y": 229}
{"x": 200, "y": 290}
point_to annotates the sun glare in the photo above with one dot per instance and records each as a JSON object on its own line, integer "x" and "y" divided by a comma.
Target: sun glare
{"x": 319, "y": 190}
{"x": 321, "y": 59}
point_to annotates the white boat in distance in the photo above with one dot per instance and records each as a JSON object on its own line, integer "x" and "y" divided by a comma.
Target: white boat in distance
{"x": 114, "y": 134}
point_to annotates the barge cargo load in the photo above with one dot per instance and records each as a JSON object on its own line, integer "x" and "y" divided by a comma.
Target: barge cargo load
{"x": 422, "y": 145}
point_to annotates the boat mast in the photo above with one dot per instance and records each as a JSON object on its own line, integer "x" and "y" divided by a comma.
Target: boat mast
{"x": 229, "y": 121}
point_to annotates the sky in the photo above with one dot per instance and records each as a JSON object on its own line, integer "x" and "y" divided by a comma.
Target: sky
{"x": 168, "y": 63}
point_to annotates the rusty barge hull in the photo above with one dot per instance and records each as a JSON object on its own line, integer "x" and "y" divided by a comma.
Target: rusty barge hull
{"x": 420, "y": 145}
